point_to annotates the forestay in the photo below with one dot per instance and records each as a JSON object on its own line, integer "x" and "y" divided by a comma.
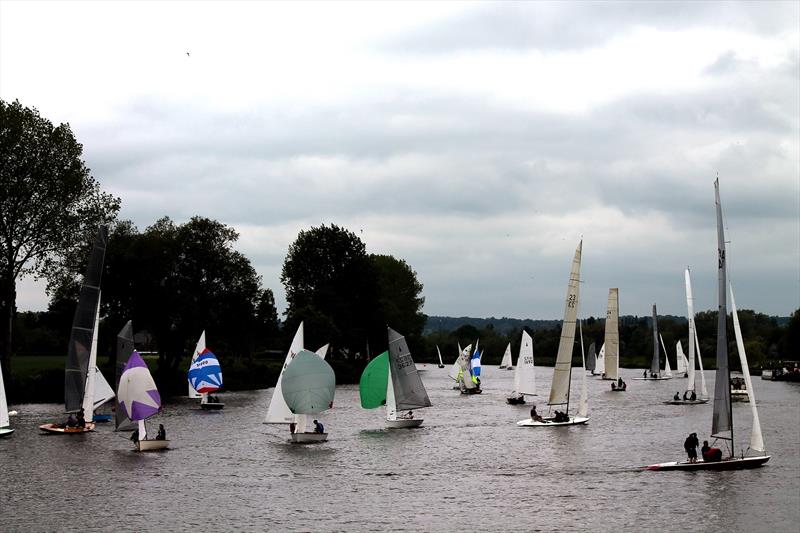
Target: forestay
{"x": 756, "y": 438}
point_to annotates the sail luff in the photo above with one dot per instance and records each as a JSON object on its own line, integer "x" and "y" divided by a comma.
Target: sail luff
{"x": 611, "y": 340}
{"x": 77, "y": 362}
{"x": 756, "y": 438}
{"x": 722, "y": 420}
{"x": 559, "y": 389}
{"x": 655, "y": 363}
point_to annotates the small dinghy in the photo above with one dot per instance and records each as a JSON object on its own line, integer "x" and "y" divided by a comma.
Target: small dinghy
{"x": 140, "y": 400}
{"x": 308, "y": 386}
{"x": 205, "y": 376}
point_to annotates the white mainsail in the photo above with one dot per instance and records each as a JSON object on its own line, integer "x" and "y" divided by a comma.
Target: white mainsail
{"x": 4, "y": 419}
{"x": 525, "y": 373}
{"x": 198, "y": 349}
{"x": 438, "y": 351}
{"x": 703, "y": 389}
{"x": 667, "y": 369}
{"x": 583, "y": 405}
{"x": 506, "y": 362}
{"x": 681, "y": 359}
{"x": 611, "y": 356}
{"x": 756, "y": 438}
{"x": 88, "y": 390}
{"x": 562, "y": 372}
{"x": 601, "y": 358}
{"x": 278, "y": 412}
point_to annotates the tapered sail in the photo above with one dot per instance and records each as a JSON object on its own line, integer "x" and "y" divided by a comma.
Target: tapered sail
{"x": 611, "y": 341}
{"x": 681, "y": 359}
{"x": 722, "y": 421}
{"x": 124, "y": 351}
{"x": 138, "y": 395}
{"x": 323, "y": 351}
{"x": 308, "y": 384}
{"x": 278, "y": 412}
{"x": 703, "y": 389}
{"x": 372, "y": 386}
{"x": 4, "y": 420}
{"x": 756, "y": 438}
{"x": 198, "y": 349}
{"x": 439, "y": 352}
{"x": 88, "y": 390}
{"x": 525, "y": 373}
{"x": 559, "y": 389}
{"x": 102, "y": 390}
{"x": 655, "y": 363}
{"x": 601, "y": 358}
{"x": 205, "y": 374}
{"x": 506, "y": 361}
{"x": 667, "y": 368}
{"x": 591, "y": 358}
{"x": 409, "y": 392}
{"x": 78, "y": 352}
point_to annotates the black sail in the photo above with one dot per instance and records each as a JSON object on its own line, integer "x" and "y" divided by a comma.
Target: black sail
{"x": 80, "y": 341}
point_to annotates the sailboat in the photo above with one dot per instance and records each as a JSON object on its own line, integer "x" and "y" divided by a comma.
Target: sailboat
{"x": 525, "y": 373}
{"x": 5, "y": 423}
{"x": 82, "y": 349}
{"x": 125, "y": 349}
{"x": 277, "y": 411}
{"x": 591, "y": 359}
{"x": 308, "y": 386}
{"x": 439, "y": 352}
{"x": 722, "y": 418}
{"x": 391, "y": 379}
{"x": 456, "y": 371}
{"x": 600, "y": 364}
{"x": 506, "y": 361}
{"x": 689, "y": 395}
{"x": 562, "y": 373}
{"x": 205, "y": 375}
{"x": 611, "y": 343}
{"x": 465, "y": 380}
{"x": 139, "y": 399}
{"x": 655, "y": 363}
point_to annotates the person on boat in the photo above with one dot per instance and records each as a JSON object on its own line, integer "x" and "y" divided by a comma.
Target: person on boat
{"x": 704, "y": 449}
{"x": 677, "y": 396}
{"x": 620, "y": 383}
{"x": 693, "y": 397}
{"x": 318, "y": 427}
{"x": 654, "y": 375}
{"x": 81, "y": 421}
{"x": 711, "y": 455}
{"x": 690, "y": 445}
{"x": 162, "y": 434}
{"x": 135, "y": 436}
{"x": 292, "y": 427}
{"x": 71, "y": 421}
{"x": 624, "y": 385}
{"x": 613, "y": 386}
{"x": 535, "y": 416}
{"x": 685, "y": 395}
{"x": 644, "y": 374}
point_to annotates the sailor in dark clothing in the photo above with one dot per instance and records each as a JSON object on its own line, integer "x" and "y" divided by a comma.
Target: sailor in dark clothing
{"x": 318, "y": 427}
{"x": 693, "y": 397}
{"x": 690, "y": 445}
{"x": 162, "y": 434}
{"x": 676, "y": 397}
{"x": 81, "y": 422}
{"x": 135, "y": 436}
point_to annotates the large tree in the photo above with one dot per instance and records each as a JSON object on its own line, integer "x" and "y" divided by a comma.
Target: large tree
{"x": 50, "y": 206}
{"x": 400, "y": 294}
{"x": 331, "y": 284}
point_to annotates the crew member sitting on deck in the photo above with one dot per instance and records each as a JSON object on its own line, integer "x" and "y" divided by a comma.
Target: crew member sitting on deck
{"x": 162, "y": 433}
{"x": 711, "y": 455}
{"x": 318, "y": 427}
{"x": 677, "y": 396}
{"x": 81, "y": 422}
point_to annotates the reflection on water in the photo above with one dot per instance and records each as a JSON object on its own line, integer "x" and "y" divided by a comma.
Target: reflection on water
{"x": 468, "y": 468}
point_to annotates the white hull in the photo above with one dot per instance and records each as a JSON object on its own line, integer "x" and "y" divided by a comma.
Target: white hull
{"x": 653, "y": 379}
{"x": 404, "y": 423}
{"x": 700, "y": 401}
{"x": 302, "y": 438}
{"x": 548, "y": 422}
{"x": 4, "y": 432}
{"x": 151, "y": 445}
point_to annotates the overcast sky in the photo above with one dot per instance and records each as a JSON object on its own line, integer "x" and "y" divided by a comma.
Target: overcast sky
{"x": 477, "y": 141}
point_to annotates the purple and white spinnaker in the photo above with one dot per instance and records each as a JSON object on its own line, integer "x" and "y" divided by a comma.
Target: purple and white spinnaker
{"x": 138, "y": 395}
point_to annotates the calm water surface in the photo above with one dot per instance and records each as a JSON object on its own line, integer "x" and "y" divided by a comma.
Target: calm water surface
{"x": 469, "y": 468}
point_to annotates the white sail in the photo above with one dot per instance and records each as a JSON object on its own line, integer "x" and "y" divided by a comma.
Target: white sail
{"x": 4, "y": 420}
{"x": 681, "y": 359}
{"x": 667, "y": 369}
{"x": 102, "y": 390}
{"x": 198, "y": 349}
{"x": 391, "y": 404}
{"x": 88, "y": 390}
{"x": 703, "y": 389}
{"x": 756, "y": 438}
{"x": 692, "y": 335}
{"x": 611, "y": 355}
{"x": 601, "y": 358}
{"x": 323, "y": 351}
{"x": 438, "y": 351}
{"x": 506, "y": 362}
{"x": 525, "y": 373}
{"x": 278, "y": 412}
{"x": 464, "y": 376}
{"x": 559, "y": 389}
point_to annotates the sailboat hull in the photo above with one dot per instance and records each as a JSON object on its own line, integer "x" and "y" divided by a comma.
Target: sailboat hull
{"x": 5, "y": 432}
{"x": 152, "y": 445}
{"x": 515, "y": 401}
{"x": 548, "y": 422}
{"x": 653, "y": 379}
{"x": 212, "y": 406}
{"x": 734, "y": 463}
{"x": 56, "y": 429}
{"x": 471, "y": 391}
{"x": 309, "y": 438}
{"x": 404, "y": 423}
{"x": 686, "y": 402}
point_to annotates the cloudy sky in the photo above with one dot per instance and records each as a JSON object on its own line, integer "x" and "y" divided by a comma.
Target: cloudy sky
{"x": 478, "y": 141}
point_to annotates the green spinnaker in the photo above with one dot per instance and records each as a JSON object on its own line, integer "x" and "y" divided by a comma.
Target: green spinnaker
{"x": 374, "y": 379}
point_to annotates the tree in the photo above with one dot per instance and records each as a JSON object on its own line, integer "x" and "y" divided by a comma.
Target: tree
{"x": 50, "y": 207}
{"x": 400, "y": 295}
{"x": 328, "y": 276}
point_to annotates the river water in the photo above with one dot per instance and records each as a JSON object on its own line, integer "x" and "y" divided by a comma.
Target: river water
{"x": 469, "y": 468}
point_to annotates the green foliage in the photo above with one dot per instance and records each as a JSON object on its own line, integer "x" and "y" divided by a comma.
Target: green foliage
{"x": 50, "y": 206}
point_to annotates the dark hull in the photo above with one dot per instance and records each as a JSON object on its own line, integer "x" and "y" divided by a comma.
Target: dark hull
{"x": 212, "y": 406}
{"x": 736, "y": 463}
